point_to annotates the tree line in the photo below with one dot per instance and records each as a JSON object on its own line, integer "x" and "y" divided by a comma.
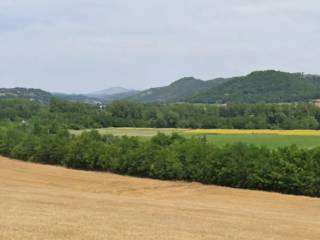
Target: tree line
{"x": 287, "y": 170}
{"x": 133, "y": 114}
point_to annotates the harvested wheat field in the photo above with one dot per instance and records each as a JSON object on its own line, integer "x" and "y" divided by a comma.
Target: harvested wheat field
{"x": 45, "y": 202}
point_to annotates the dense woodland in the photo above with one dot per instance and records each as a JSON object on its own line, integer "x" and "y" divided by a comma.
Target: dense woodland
{"x": 263, "y": 86}
{"x": 260, "y": 86}
{"x": 40, "y": 133}
{"x": 133, "y": 114}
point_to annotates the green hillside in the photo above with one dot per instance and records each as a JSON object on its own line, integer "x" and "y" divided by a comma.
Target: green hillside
{"x": 263, "y": 86}
{"x": 260, "y": 86}
{"x": 177, "y": 91}
{"x": 31, "y": 94}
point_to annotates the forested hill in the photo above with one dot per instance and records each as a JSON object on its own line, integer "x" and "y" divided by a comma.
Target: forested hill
{"x": 31, "y": 94}
{"x": 263, "y": 86}
{"x": 41, "y": 96}
{"x": 260, "y": 86}
{"x": 178, "y": 91}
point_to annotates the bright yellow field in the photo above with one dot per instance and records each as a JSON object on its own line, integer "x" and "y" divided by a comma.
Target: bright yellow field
{"x": 41, "y": 202}
{"x": 154, "y": 131}
{"x": 257, "y": 131}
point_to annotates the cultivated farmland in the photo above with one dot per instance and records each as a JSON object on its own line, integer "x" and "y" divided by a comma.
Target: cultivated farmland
{"x": 270, "y": 138}
{"x": 46, "y": 202}
{"x": 139, "y": 132}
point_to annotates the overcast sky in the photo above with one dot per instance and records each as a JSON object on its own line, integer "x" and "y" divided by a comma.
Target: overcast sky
{"x": 87, "y": 45}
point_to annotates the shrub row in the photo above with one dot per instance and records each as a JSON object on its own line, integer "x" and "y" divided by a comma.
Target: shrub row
{"x": 287, "y": 170}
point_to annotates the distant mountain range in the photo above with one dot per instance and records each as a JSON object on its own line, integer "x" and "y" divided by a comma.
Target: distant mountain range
{"x": 110, "y": 91}
{"x": 260, "y": 86}
{"x": 38, "y": 95}
{"x": 103, "y": 96}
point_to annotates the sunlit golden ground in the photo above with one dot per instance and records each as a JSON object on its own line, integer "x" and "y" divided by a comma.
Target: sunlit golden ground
{"x": 45, "y": 202}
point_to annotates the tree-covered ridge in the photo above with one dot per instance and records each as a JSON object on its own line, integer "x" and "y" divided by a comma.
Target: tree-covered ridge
{"x": 31, "y": 94}
{"x": 260, "y": 86}
{"x": 44, "y": 97}
{"x": 177, "y": 91}
{"x": 264, "y": 86}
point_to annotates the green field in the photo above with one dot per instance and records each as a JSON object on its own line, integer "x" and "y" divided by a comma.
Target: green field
{"x": 134, "y": 132}
{"x": 219, "y": 139}
{"x": 266, "y": 140}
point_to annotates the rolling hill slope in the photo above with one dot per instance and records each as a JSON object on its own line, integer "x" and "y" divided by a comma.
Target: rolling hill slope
{"x": 260, "y": 86}
{"x": 31, "y": 94}
{"x": 177, "y": 91}
{"x": 263, "y": 86}
{"x": 46, "y": 202}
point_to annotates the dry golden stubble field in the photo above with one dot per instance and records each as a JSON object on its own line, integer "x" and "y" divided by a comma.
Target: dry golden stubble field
{"x": 46, "y": 202}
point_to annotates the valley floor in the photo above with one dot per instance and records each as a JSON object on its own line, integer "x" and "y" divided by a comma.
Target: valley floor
{"x": 258, "y": 137}
{"x": 46, "y": 202}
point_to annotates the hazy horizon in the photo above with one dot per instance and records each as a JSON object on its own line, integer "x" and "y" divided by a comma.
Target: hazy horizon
{"x": 96, "y": 91}
{"x": 85, "y": 46}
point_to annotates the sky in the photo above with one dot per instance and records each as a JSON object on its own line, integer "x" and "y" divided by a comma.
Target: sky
{"x": 79, "y": 46}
